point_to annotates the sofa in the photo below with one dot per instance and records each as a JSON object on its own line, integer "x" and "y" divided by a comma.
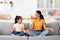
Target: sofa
{"x": 5, "y": 33}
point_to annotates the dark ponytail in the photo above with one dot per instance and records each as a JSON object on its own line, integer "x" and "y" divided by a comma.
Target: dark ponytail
{"x": 39, "y": 12}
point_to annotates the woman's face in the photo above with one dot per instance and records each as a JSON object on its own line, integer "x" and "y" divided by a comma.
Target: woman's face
{"x": 37, "y": 15}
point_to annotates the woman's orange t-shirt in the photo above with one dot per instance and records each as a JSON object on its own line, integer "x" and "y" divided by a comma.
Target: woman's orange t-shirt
{"x": 38, "y": 24}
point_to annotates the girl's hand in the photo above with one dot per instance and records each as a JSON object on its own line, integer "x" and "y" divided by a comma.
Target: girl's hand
{"x": 51, "y": 29}
{"x": 12, "y": 29}
{"x": 24, "y": 31}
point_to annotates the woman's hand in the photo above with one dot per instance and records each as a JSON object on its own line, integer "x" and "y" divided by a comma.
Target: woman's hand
{"x": 51, "y": 29}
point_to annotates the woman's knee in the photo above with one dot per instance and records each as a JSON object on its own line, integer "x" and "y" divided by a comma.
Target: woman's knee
{"x": 47, "y": 31}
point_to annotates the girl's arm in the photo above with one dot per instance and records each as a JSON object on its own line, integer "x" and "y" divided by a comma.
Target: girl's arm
{"x": 12, "y": 29}
{"x": 51, "y": 29}
{"x": 23, "y": 29}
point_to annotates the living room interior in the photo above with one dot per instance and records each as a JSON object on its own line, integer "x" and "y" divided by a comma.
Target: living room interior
{"x": 9, "y": 9}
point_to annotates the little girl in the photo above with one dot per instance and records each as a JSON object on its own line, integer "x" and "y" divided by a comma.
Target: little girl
{"x": 18, "y": 28}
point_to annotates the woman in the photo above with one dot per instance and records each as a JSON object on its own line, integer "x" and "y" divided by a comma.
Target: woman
{"x": 38, "y": 25}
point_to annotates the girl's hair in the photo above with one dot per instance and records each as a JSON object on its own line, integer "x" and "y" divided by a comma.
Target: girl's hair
{"x": 39, "y": 12}
{"x": 17, "y": 18}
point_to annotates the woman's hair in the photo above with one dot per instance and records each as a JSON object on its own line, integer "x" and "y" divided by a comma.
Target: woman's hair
{"x": 39, "y": 12}
{"x": 17, "y": 18}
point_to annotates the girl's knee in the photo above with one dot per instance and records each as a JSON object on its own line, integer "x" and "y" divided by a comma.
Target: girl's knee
{"x": 21, "y": 34}
{"x": 14, "y": 32}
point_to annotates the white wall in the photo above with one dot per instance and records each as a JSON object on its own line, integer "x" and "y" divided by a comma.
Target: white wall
{"x": 24, "y": 8}
{"x": 5, "y": 8}
{"x": 57, "y": 3}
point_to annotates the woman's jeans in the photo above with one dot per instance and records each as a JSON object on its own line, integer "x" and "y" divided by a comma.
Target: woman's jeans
{"x": 39, "y": 33}
{"x": 18, "y": 33}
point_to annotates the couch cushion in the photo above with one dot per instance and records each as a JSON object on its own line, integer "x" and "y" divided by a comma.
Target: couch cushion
{"x": 26, "y": 25}
{"x": 54, "y": 25}
{"x": 5, "y": 28}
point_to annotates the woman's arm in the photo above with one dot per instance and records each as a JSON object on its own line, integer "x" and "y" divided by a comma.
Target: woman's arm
{"x": 31, "y": 27}
{"x": 23, "y": 29}
{"x": 27, "y": 31}
{"x": 51, "y": 29}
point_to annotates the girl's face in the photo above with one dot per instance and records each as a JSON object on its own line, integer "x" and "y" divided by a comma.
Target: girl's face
{"x": 19, "y": 21}
{"x": 37, "y": 15}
